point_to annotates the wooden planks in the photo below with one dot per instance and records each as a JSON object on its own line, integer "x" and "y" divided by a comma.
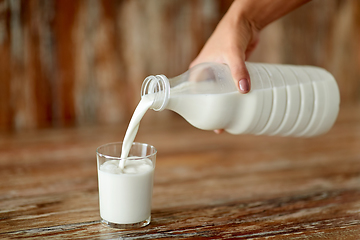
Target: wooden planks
{"x": 206, "y": 185}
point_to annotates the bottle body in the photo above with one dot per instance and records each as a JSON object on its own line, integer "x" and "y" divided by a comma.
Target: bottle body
{"x": 284, "y": 99}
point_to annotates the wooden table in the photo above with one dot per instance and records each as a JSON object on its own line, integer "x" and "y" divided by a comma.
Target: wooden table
{"x": 206, "y": 185}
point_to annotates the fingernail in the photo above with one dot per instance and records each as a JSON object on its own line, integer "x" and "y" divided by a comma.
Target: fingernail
{"x": 244, "y": 85}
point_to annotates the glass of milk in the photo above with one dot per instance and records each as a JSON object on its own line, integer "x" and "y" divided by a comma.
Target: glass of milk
{"x": 125, "y": 188}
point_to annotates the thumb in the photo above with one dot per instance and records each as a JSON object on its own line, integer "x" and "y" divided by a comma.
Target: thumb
{"x": 241, "y": 76}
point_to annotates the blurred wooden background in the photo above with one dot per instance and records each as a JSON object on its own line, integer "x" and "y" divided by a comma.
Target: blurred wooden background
{"x": 73, "y": 63}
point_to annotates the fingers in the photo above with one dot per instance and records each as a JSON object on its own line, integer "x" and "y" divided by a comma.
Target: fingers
{"x": 244, "y": 86}
{"x": 241, "y": 76}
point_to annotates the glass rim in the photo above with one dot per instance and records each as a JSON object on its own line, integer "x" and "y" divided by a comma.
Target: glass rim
{"x": 121, "y": 143}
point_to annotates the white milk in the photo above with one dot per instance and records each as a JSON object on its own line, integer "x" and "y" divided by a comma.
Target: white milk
{"x": 142, "y": 107}
{"x": 218, "y": 111}
{"x": 125, "y": 194}
{"x": 300, "y": 108}
{"x": 284, "y": 100}
{"x": 125, "y": 187}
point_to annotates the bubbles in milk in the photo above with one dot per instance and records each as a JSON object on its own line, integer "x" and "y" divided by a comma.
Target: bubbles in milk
{"x": 132, "y": 167}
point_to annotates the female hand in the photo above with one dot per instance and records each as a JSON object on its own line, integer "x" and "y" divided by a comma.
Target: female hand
{"x": 231, "y": 43}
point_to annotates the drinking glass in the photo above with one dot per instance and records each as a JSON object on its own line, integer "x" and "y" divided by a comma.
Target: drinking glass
{"x": 125, "y": 193}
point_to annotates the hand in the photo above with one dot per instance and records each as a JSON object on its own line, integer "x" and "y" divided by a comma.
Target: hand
{"x": 237, "y": 35}
{"x": 231, "y": 43}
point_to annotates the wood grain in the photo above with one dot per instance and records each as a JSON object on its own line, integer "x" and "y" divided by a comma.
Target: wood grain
{"x": 206, "y": 185}
{"x": 75, "y": 63}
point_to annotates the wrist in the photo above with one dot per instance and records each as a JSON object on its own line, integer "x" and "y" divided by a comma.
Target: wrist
{"x": 262, "y": 12}
{"x": 242, "y": 14}
{"x": 239, "y": 24}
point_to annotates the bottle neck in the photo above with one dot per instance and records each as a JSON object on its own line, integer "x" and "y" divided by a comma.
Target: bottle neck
{"x": 158, "y": 87}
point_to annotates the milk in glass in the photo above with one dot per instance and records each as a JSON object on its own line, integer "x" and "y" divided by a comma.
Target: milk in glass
{"x": 125, "y": 185}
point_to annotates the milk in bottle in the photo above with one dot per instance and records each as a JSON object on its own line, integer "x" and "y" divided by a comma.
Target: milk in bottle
{"x": 284, "y": 100}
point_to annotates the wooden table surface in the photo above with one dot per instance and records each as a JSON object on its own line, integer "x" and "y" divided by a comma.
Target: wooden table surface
{"x": 206, "y": 185}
